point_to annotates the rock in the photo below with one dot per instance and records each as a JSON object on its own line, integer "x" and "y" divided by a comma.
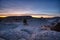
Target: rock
{"x": 56, "y": 28}
{"x": 2, "y": 39}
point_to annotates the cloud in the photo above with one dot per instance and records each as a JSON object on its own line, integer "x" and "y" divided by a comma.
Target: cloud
{"x": 28, "y": 7}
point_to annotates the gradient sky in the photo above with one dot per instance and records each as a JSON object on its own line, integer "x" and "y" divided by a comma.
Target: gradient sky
{"x": 50, "y": 7}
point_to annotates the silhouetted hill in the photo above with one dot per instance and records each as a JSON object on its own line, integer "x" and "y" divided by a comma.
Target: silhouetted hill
{"x": 15, "y": 18}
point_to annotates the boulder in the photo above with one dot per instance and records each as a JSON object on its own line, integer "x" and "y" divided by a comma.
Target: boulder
{"x": 56, "y": 27}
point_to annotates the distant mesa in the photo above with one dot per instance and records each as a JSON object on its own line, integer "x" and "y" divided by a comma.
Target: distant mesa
{"x": 14, "y": 18}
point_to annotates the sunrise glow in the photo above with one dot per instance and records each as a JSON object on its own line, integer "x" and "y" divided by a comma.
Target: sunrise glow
{"x": 3, "y": 16}
{"x": 42, "y": 16}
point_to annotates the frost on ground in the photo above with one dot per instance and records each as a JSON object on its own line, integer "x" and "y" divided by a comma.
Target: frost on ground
{"x": 35, "y": 30}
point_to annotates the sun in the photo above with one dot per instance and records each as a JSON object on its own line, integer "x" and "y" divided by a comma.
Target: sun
{"x": 36, "y": 16}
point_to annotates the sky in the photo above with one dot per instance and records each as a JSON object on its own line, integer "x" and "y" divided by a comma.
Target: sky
{"x": 50, "y": 7}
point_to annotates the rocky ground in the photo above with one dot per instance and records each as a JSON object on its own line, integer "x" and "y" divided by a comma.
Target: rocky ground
{"x": 36, "y": 29}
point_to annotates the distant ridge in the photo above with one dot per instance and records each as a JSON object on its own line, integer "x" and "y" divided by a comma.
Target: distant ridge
{"x": 33, "y": 15}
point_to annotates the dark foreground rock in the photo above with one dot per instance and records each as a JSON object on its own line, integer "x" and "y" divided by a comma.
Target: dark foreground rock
{"x": 56, "y": 28}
